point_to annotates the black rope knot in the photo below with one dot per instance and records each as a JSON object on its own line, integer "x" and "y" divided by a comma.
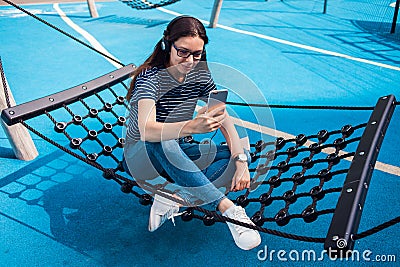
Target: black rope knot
{"x": 109, "y": 174}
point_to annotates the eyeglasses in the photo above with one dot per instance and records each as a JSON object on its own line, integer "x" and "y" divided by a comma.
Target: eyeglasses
{"x": 186, "y": 53}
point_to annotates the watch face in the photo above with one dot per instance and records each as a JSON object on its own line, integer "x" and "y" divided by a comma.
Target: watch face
{"x": 242, "y": 157}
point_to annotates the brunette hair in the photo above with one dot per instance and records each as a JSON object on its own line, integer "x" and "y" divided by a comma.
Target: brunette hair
{"x": 182, "y": 26}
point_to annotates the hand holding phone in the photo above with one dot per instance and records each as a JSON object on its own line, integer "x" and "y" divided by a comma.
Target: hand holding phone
{"x": 216, "y": 98}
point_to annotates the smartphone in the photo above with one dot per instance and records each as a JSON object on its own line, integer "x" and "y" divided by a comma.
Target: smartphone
{"x": 216, "y": 98}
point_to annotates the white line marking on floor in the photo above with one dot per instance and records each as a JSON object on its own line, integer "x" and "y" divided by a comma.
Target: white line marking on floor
{"x": 285, "y": 42}
{"x": 96, "y": 44}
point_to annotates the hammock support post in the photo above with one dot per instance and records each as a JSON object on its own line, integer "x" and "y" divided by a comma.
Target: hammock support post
{"x": 92, "y": 8}
{"x": 339, "y": 241}
{"x": 395, "y": 15}
{"x": 215, "y": 13}
{"x": 19, "y": 137}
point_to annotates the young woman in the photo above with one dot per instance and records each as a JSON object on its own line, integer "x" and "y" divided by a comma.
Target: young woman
{"x": 163, "y": 96}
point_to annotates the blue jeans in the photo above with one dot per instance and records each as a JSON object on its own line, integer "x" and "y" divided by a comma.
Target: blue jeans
{"x": 198, "y": 170}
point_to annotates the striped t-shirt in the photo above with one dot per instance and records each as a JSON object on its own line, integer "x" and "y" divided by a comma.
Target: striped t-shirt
{"x": 174, "y": 101}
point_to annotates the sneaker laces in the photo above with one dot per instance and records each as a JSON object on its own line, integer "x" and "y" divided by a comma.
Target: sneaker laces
{"x": 171, "y": 214}
{"x": 240, "y": 215}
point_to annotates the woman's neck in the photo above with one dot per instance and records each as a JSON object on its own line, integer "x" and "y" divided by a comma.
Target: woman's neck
{"x": 178, "y": 76}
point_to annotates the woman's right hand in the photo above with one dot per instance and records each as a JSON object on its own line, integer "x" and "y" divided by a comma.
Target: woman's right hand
{"x": 206, "y": 122}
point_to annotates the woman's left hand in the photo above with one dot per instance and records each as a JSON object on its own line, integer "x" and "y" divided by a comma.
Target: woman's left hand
{"x": 241, "y": 179}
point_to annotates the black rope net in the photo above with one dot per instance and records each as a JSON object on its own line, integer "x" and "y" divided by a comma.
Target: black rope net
{"x": 143, "y": 4}
{"x": 93, "y": 135}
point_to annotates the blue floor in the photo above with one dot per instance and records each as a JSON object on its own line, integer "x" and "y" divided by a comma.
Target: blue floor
{"x": 292, "y": 53}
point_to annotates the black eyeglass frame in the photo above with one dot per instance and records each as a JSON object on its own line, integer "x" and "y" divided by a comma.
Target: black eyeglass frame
{"x": 196, "y": 54}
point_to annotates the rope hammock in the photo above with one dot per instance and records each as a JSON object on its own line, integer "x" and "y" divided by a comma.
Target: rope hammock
{"x": 88, "y": 120}
{"x": 143, "y": 4}
{"x": 304, "y": 173}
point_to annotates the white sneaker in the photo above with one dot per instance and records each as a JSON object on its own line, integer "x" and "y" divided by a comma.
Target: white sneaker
{"x": 244, "y": 237}
{"x": 162, "y": 209}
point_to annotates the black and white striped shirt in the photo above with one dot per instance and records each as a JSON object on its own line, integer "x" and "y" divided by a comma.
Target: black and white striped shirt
{"x": 174, "y": 101}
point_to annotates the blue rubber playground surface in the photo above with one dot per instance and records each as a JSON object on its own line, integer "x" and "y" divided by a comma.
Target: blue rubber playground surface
{"x": 58, "y": 211}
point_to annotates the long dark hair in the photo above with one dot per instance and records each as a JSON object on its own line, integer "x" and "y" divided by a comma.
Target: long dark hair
{"x": 183, "y": 26}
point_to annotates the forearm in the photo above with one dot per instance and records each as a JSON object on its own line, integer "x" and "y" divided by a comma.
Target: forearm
{"x": 153, "y": 131}
{"x": 157, "y": 131}
{"x": 241, "y": 178}
{"x": 232, "y": 138}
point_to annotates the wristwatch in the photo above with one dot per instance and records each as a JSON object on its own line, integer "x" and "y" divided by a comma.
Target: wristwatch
{"x": 242, "y": 157}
